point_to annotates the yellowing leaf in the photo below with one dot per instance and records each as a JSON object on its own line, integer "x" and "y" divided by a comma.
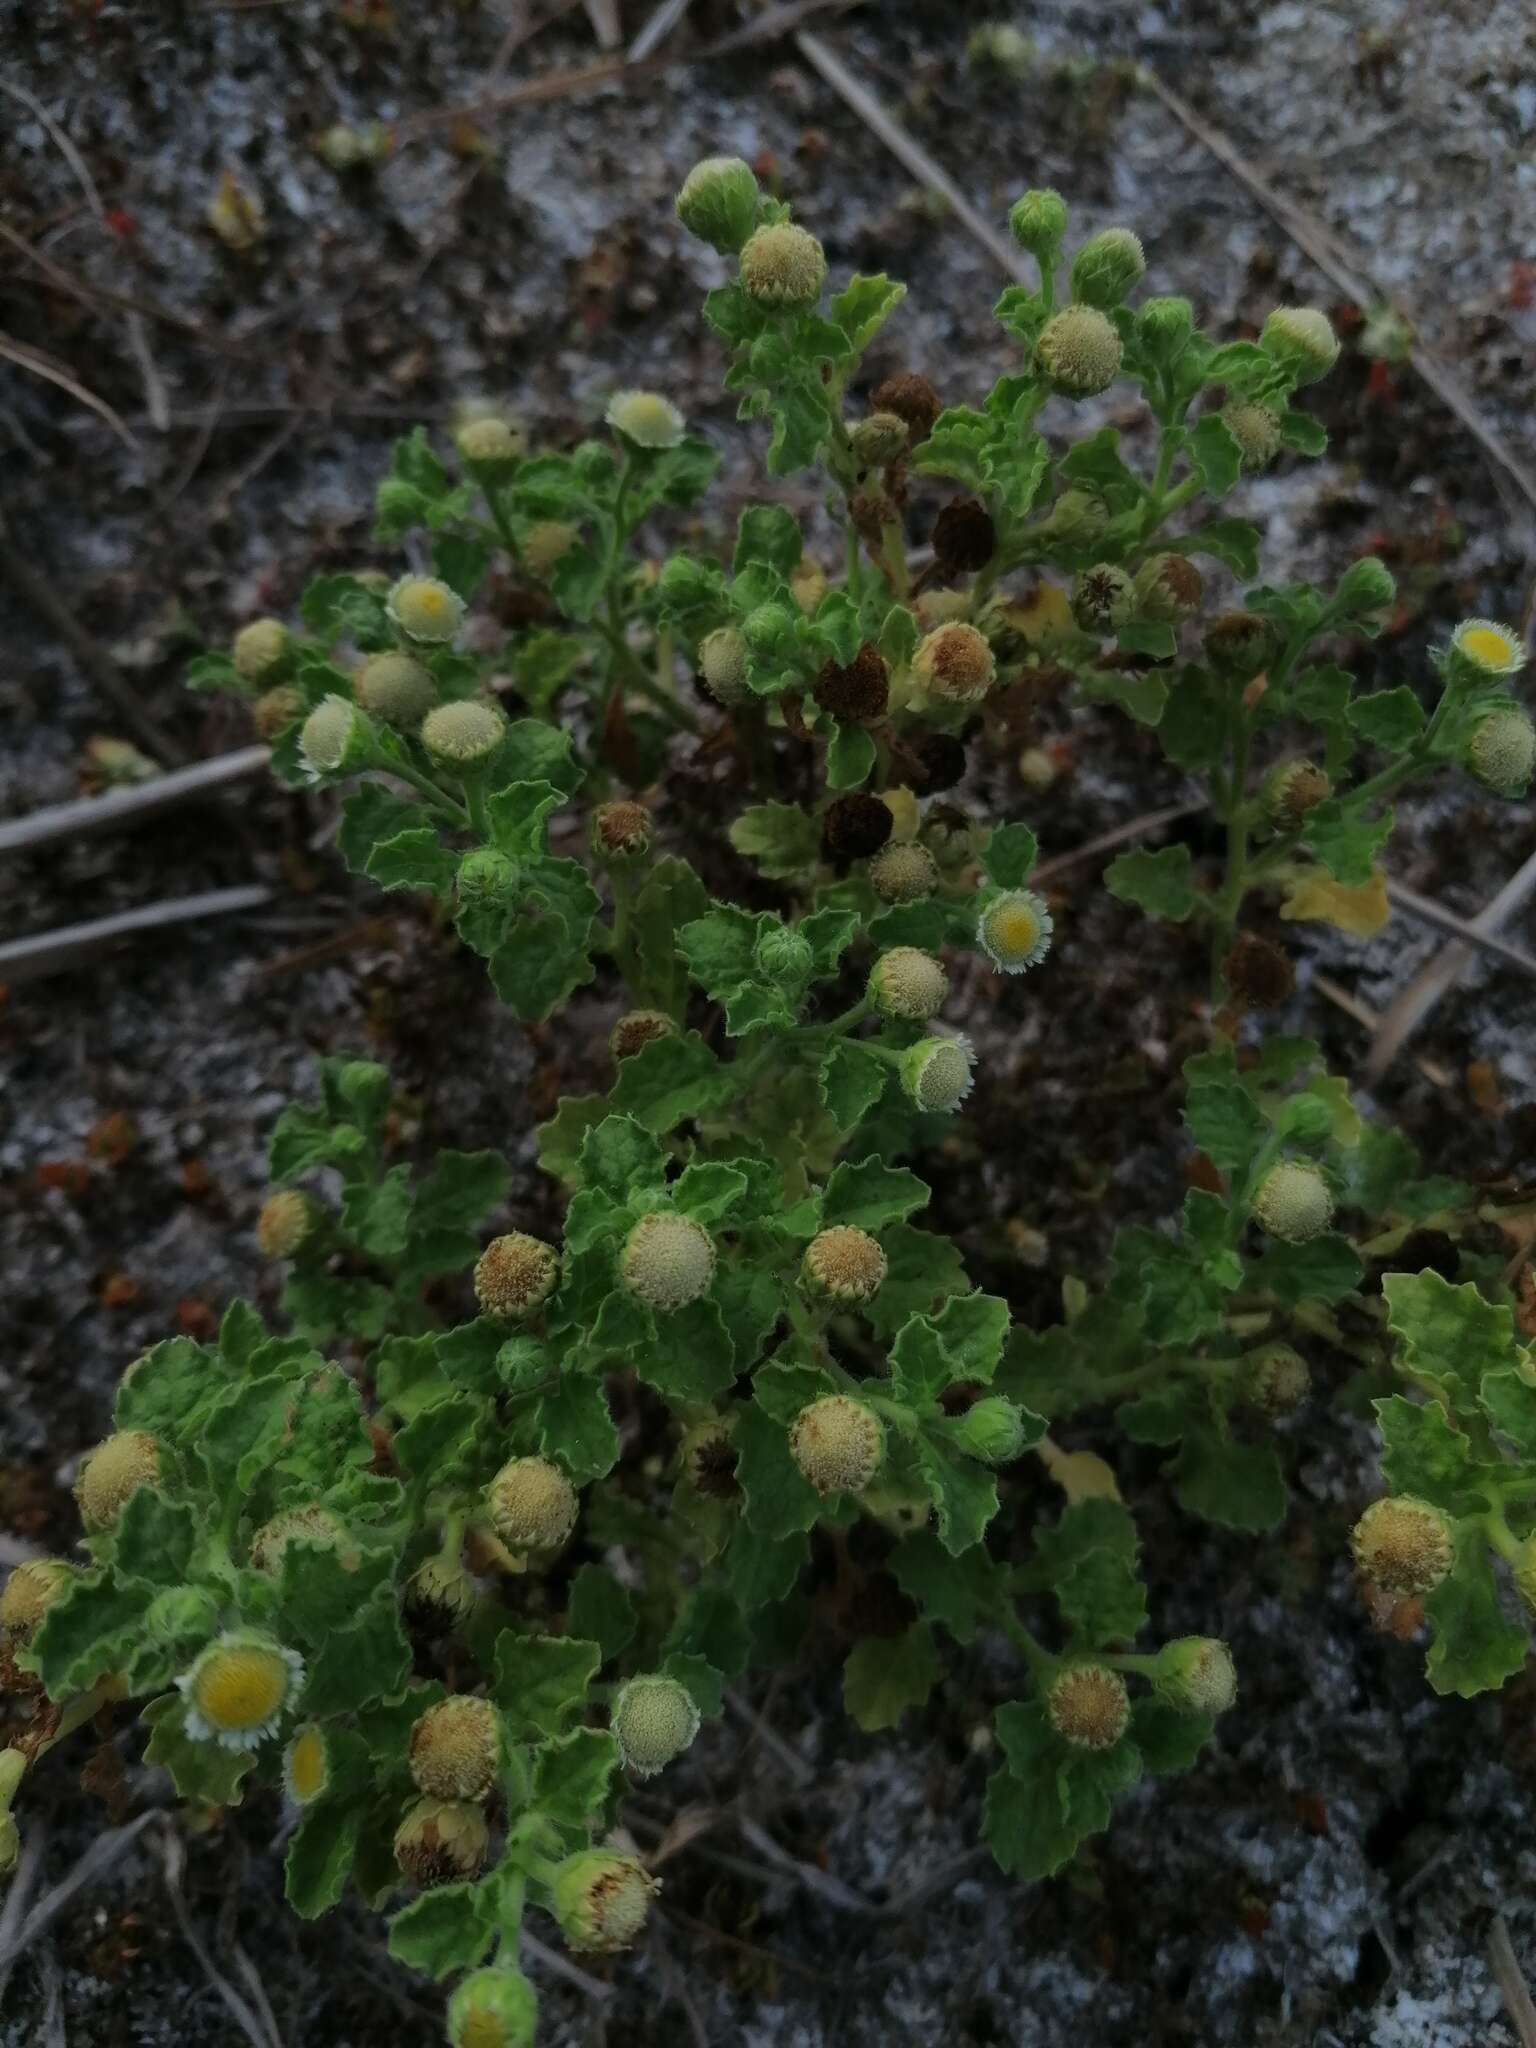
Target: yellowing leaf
{"x": 1359, "y": 911}
{"x": 1044, "y": 614}
{"x": 1081, "y": 1475}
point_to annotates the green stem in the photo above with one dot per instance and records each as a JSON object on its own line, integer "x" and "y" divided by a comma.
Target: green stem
{"x": 503, "y": 525}
{"x": 639, "y": 679}
{"x": 457, "y": 815}
{"x": 1043, "y": 1667}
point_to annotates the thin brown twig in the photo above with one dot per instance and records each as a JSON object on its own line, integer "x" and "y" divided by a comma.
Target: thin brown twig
{"x": 1134, "y": 828}
{"x": 1510, "y": 1978}
{"x": 55, "y": 373}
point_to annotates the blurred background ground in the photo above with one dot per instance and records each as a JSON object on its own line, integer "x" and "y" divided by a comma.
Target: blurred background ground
{"x": 1330, "y": 1873}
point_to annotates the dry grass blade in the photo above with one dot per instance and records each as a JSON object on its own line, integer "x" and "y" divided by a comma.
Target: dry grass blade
{"x": 46, "y": 953}
{"x": 820, "y": 1882}
{"x": 250, "y": 2022}
{"x": 561, "y": 1966}
{"x": 657, "y": 29}
{"x": 99, "y": 1858}
{"x": 1510, "y": 1978}
{"x": 124, "y": 807}
{"x": 1436, "y": 914}
{"x": 1119, "y": 835}
{"x": 55, "y": 373}
{"x": 604, "y": 17}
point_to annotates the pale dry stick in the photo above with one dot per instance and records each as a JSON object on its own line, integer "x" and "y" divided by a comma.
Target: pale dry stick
{"x": 1134, "y": 828}
{"x": 819, "y": 1882}
{"x": 656, "y": 30}
{"x": 1510, "y": 1978}
{"x": 1370, "y": 1020}
{"x": 604, "y": 17}
{"x": 54, "y": 373}
{"x": 1413, "y": 1004}
{"x": 1430, "y": 912}
{"x": 551, "y": 1959}
{"x": 54, "y": 2035}
{"x": 795, "y": 1764}
{"x": 909, "y": 152}
{"x": 121, "y": 808}
{"x": 1319, "y": 245}
{"x": 138, "y": 336}
{"x": 172, "y": 1862}
{"x": 97, "y": 1860}
{"x": 54, "y": 952}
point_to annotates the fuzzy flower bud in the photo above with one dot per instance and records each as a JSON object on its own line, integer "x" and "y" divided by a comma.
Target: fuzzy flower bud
{"x": 601, "y": 1899}
{"x": 964, "y": 537}
{"x": 1237, "y": 644}
{"x": 1088, "y": 1706}
{"x": 621, "y": 832}
{"x": 903, "y": 872}
{"x": 708, "y": 1459}
{"x": 1014, "y": 931}
{"x": 1037, "y": 223}
{"x": 546, "y": 542}
{"x": 838, "y": 1444}
{"x": 637, "y": 1028}
{"x": 396, "y": 688}
{"x": 1079, "y": 351}
{"x": 486, "y": 876}
{"x": 1276, "y": 1379}
{"x": 1076, "y": 520}
{"x": 912, "y": 398}
{"x": 491, "y": 443}
{"x": 718, "y": 202}
{"x": 723, "y": 665}
{"x": 1169, "y": 588}
{"x": 1291, "y": 789}
{"x": 844, "y": 1264}
{"x": 336, "y": 737}
{"x": 1103, "y": 600}
{"x": 313, "y": 1525}
{"x": 1366, "y": 586}
{"x": 1106, "y": 267}
{"x": 1293, "y": 1202}
{"x": 29, "y": 1592}
{"x": 855, "y": 826}
{"x": 116, "y": 1469}
{"x": 1502, "y": 752}
{"x": 646, "y": 418}
{"x": 1482, "y": 651}
{"x": 1302, "y": 340}
{"x": 515, "y": 1275}
{"x": 440, "y": 1595}
{"x": 655, "y": 1720}
{"x": 463, "y": 735}
{"x": 879, "y": 438}
{"x": 667, "y": 1261}
{"x": 1256, "y": 430}
{"x": 262, "y": 651}
{"x": 1165, "y": 326}
{"x": 533, "y": 1505}
{"x": 936, "y": 1072}
{"x": 493, "y": 2009}
{"x": 855, "y": 691}
{"x": 991, "y": 1430}
{"x": 442, "y": 1841}
{"x": 784, "y": 955}
{"x": 909, "y": 984}
{"x": 1403, "y": 1545}
{"x": 955, "y": 664}
{"x": 783, "y": 266}
{"x": 286, "y": 1220}
{"x": 274, "y": 709}
{"x": 1196, "y": 1674}
{"x": 239, "y": 1689}
{"x": 455, "y": 1747}
{"x": 424, "y": 608}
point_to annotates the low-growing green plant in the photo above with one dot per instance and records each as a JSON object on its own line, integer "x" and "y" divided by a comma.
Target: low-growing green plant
{"x": 289, "y": 1558}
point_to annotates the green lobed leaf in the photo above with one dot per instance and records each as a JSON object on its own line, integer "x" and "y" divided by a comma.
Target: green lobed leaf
{"x": 1392, "y": 719}
{"x": 885, "y": 1677}
{"x": 600, "y": 1609}
{"x": 1449, "y": 1336}
{"x": 1088, "y": 1560}
{"x": 1048, "y": 1798}
{"x": 1008, "y": 858}
{"x": 446, "y": 1929}
{"x": 782, "y": 841}
{"x": 319, "y": 1860}
{"x": 1423, "y": 1453}
{"x": 1159, "y": 883}
{"x": 541, "y": 1682}
{"x": 572, "y": 1775}
{"x": 869, "y": 1194}
{"x": 1476, "y": 1646}
{"x": 1234, "y": 1484}
{"x": 964, "y": 1592}
{"x": 204, "y": 1773}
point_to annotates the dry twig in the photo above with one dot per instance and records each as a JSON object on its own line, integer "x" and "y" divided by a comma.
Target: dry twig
{"x": 1510, "y": 1978}
{"x": 55, "y": 952}
{"x": 127, "y": 807}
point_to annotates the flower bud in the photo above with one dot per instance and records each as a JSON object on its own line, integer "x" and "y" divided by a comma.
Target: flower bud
{"x": 655, "y": 1720}
{"x": 1037, "y": 223}
{"x": 286, "y": 1220}
{"x": 1103, "y": 600}
{"x": 912, "y": 398}
{"x": 645, "y": 418}
{"x": 964, "y": 537}
{"x": 341, "y": 147}
{"x": 1164, "y": 327}
{"x": 116, "y": 1469}
{"x": 991, "y": 1429}
{"x": 1302, "y": 340}
{"x": 878, "y": 439}
{"x": 274, "y": 709}
{"x": 1088, "y": 1706}
{"x": 999, "y": 46}
{"x": 708, "y": 1459}
{"x": 838, "y": 1444}
{"x": 485, "y": 876}
{"x": 1403, "y": 1545}
{"x": 307, "y": 1765}
{"x": 903, "y": 873}
{"x": 1258, "y": 974}
{"x": 1275, "y": 1378}
{"x": 1290, "y": 790}
{"x": 908, "y": 984}
{"x": 1293, "y": 1202}
{"x": 1502, "y": 752}
{"x": 843, "y": 1264}
{"x": 313, "y": 1525}
{"x": 936, "y": 1072}
{"x": 1014, "y": 931}
{"x": 424, "y": 608}
{"x": 463, "y": 735}
{"x": 1168, "y": 588}
{"x": 785, "y": 956}
{"x": 336, "y": 738}
{"x": 398, "y": 504}
{"x": 262, "y": 651}
{"x": 621, "y": 832}
{"x": 29, "y": 1592}
{"x": 723, "y": 665}
{"x": 439, "y": 1596}
{"x": 1076, "y": 520}
{"x": 1237, "y": 644}
{"x": 955, "y": 664}
{"x": 808, "y": 585}
{"x": 1256, "y": 430}
{"x": 455, "y": 1748}
{"x": 601, "y": 1899}
{"x": 1366, "y": 586}
{"x": 239, "y": 1689}
{"x": 1106, "y": 267}
{"x": 442, "y": 1841}
{"x": 855, "y": 826}
{"x": 857, "y": 691}
{"x": 668, "y": 1261}
{"x": 533, "y": 1505}
{"x": 493, "y": 2009}
{"x": 637, "y": 1028}
{"x": 1482, "y": 651}
{"x": 1196, "y": 1674}
{"x": 546, "y": 542}
{"x": 515, "y": 1275}
{"x": 1079, "y": 351}
{"x": 782, "y": 265}
{"x": 490, "y": 443}
{"x": 718, "y": 202}
{"x": 396, "y": 688}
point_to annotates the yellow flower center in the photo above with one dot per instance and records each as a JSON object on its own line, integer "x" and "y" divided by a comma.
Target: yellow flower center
{"x": 428, "y": 599}
{"x": 1015, "y": 929}
{"x": 1485, "y": 645}
{"x": 240, "y": 1688}
{"x": 306, "y": 1765}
